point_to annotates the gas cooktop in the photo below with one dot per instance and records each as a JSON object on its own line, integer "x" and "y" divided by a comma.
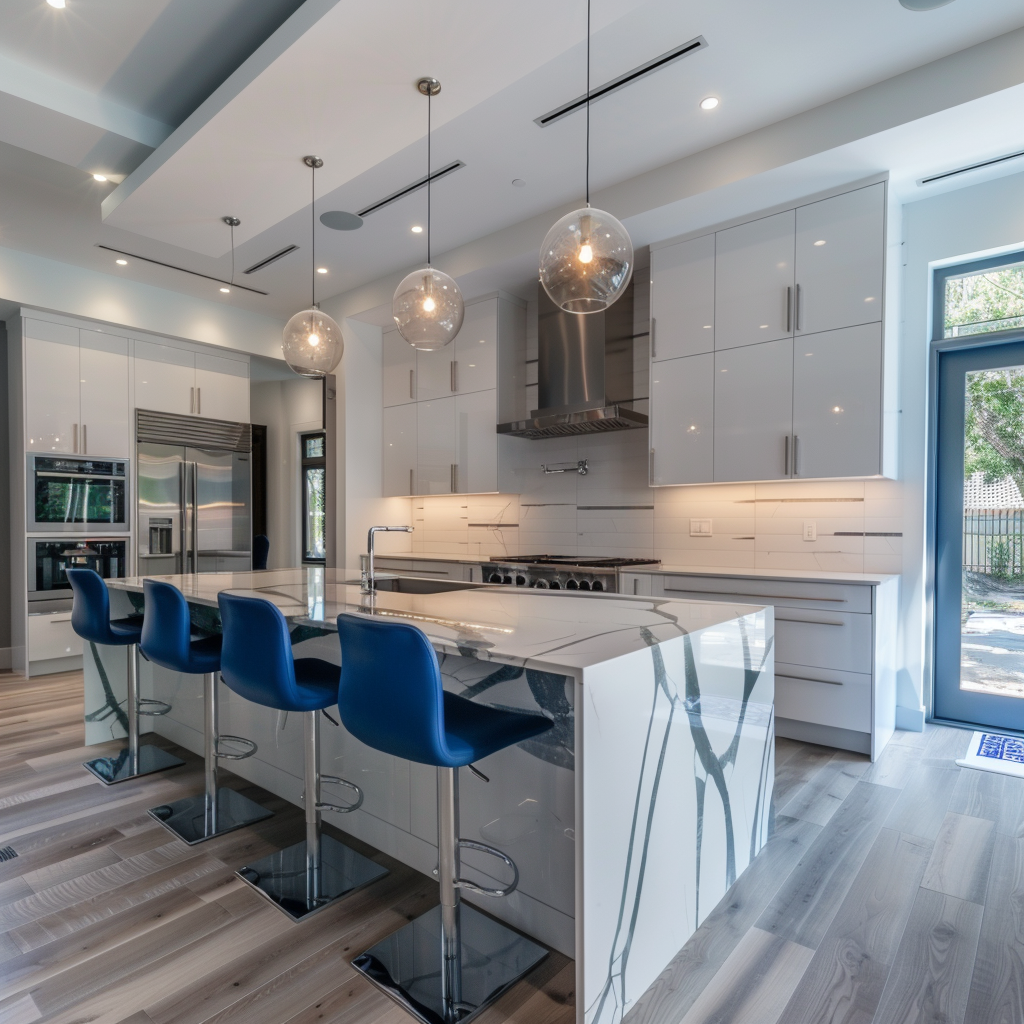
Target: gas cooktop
{"x": 582, "y": 561}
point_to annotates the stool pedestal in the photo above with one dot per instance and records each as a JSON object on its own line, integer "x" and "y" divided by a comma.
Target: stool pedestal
{"x": 303, "y": 879}
{"x": 453, "y": 961}
{"x": 215, "y": 811}
{"x": 135, "y": 759}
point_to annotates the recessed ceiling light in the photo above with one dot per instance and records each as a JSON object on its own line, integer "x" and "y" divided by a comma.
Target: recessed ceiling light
{"x": 518, "y": 182}
{"x": 56, "y": 3}
{"x": 121, "y": 263}
{"x": 226, "y": 291}
{"x": 416, "y": 229}
{"x": 321, "y": 270}
{"x": 709, "y": 103}
{"x": 99, "y": 177}
{"x": 820, "y": 241}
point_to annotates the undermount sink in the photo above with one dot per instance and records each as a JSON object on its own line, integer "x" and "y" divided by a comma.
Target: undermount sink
{"x": 412, "y": 585}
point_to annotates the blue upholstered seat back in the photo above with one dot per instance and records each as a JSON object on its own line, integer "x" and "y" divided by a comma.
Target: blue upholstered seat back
{"x": 167, "y": 632}
{"x": 90, "y": 611}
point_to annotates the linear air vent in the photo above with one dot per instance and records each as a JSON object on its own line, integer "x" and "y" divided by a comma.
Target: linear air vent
{"x": 419, "y": 183}
{"x": 270, "y": 259}
{"x": 198, "y": 431}
{"x": 971, "y": 167}
{"x": 600, "y": 91}
{"x": 183, "y": 270}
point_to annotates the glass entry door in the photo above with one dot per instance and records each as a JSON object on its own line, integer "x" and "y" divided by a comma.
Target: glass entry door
{"x": 979, "y": 581}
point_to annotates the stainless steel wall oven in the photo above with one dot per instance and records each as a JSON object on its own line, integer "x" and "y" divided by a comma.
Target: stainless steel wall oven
{"x": 69, "y": 494}
{"x": 50, "y": 558}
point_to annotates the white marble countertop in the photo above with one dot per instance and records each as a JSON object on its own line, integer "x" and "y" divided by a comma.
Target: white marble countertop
{"x": 550, "y": 631}
{"x": 870, "y": 579}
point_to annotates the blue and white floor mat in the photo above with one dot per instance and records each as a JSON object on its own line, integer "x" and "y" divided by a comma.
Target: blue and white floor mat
{"x": 993, "y": 752}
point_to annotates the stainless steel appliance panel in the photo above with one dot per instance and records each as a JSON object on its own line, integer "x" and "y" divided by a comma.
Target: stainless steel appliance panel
{"x": 219, "y": 527}
{"x": 49, "y": 559}
{"x": 161, "y": 488}
{"x": 69, "y": 494}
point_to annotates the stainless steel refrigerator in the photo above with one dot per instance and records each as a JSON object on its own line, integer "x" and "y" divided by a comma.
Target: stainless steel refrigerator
{"x": 194, "y": 509}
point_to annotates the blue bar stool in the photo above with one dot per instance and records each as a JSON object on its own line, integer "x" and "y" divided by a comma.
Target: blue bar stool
{"x": 167, "y": 641}
{"x": 451, "y": 962}
{"x": 90, "y": 619}
{"x": 257, "y": 663}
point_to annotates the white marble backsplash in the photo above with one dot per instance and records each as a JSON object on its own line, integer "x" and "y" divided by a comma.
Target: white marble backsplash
{"x": 612, "y": 511}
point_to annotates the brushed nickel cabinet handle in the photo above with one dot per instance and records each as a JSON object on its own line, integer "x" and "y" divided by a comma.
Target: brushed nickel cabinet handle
{"x": 411, "y": 488}
{"x": 786, "y": 473}
{"x": 809, "y": 622}
{"x": 789, "y": 309}
{"x": 74, "y": 437}
{"x": 796, "y": 455}
{"x": 808, "y": 679}
{"x": 455, "y": 375}
{"x": 85, "y": 438}
{"x": 797, "y": 308}
{"x": 454, "y": 478}
{"x": 654, "y": 348}
{"x": 412, "y": 386}
{"x": 191, "y": 400}
{"x": 199, "y": 401}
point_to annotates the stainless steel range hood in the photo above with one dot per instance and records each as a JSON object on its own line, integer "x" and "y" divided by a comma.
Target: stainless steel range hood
{"x": 584, "y": 372}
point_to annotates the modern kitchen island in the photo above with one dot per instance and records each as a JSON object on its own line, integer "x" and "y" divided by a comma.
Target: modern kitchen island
{"x": 628, "y": 820}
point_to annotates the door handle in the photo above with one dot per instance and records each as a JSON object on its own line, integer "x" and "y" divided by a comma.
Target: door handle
{"x": 412, "y": 385}
{"x": 654, "y": 350}
{"x": 796, "y": 316}
{"x": 810, "y": 622}
{"x": 454, "y": 478}
{"x": 789, "y": 308}
{"x": 85, "y": 439}
{"x": 786, "y": 473}
{"x": 184, "y": 514}
{"x": 74, "y": 437}
{"x": 796, "y": 455}
{"x": 195, "y": 516}
{"x": 191, "y": 400}
{"x": 454, "y": 375}
{"x": 808, "y": 679}
{"x": 199, "y": 401}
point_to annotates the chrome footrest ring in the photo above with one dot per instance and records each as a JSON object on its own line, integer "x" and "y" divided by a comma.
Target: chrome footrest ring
{"x": 462, "y": 883}
{"x": 158, "y": 707}
{"x": 249, "y": 745}
{"x": 334, "y": 780}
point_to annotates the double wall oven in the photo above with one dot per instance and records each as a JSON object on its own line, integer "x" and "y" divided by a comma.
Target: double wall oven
{"x": 77, "y": 517}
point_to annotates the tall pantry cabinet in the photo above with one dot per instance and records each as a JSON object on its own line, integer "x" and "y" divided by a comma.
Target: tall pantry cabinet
{"x": 766, "y": 356}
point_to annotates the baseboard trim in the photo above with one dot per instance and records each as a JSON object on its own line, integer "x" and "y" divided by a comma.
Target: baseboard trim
{"x": 910, "y": 719}
{"x": 824, "y": 735}
{"x": 5, "y": 659}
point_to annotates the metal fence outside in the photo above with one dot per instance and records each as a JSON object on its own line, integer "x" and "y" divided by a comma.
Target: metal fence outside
{"x": 994, "y": 541}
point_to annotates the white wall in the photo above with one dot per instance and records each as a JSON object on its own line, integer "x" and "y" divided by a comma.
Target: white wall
{"x": 28, "y": 280}
{"x": 968, "y": 223}
{"x": 286, "y": 408}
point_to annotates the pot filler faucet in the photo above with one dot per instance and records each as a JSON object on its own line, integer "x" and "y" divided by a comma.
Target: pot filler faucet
{"x": 367, "y": 574}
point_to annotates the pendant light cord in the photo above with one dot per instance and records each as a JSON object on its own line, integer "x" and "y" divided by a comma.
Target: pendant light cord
{"x": 312, "y": 231}
{"x": 588, "y": 102}
{"x": 232, "y": 226}
{"x": 430, "y": 98}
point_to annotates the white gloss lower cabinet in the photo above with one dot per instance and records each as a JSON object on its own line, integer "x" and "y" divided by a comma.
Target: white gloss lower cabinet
{"x": 682, "y": 419}
{"x": 436, "y": 449}
{"x": 476, "y": 456}
{"x": 105, "y": 413}
{"x": 399, "y": 457}
{"x": 753, "y": 411}
{"x": 837, "y": 402}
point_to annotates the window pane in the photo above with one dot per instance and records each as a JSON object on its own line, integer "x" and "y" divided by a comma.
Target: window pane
{"x": 314, "y": 499}
{"x": 315, "y": 447}
{"x": 989, "y": 301}
{"x": 992, "y": 613}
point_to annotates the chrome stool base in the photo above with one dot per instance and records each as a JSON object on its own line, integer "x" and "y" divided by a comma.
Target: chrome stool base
{"x": 191, "y": 820}
{"x": 118, "y": 768}
{"x": 407, "y": 965}
{"x": 282, "y": 877}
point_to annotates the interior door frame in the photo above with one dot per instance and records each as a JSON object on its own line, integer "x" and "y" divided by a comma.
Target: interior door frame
{"x": 939, "y": 347}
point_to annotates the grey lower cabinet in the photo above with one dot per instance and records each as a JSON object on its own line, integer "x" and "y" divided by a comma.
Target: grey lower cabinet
{"x": 835, "y": 650}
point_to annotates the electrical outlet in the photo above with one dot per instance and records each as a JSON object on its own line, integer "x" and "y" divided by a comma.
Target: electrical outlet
{"x": 700, "y": 527}
{"x": 810, "y": 531}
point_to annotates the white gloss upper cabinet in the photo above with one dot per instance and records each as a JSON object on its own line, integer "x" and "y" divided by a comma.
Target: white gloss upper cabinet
{"x": 839, "y": 261}
{"x": 837, "y": 402}
{"x": 222, "y": 388}
{"x": 165, "y": 378}
{"x": 399, "y": 456}
{"x": 753, "y": 411}
{"x": 682, "y": 420}
{"x": 436, "y": 448}
{"x": 104, "y": 401}
{"x": 51, "y": 386}
{"x": 476, "y": 349}
{"x": 753, "y": 284}
{"x": 435, "y": 376}
{"x": 683, "y": 298}
{"x": 399, "y": 370}
{"x": 476, "y": 454}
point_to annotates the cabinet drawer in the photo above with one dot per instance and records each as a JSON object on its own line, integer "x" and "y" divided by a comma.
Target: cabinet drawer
{"x": 51, "y": 636}
{"x": 834, "y": 640}
{"x": 842, "y": 597}
{"x": 826, "y": 697}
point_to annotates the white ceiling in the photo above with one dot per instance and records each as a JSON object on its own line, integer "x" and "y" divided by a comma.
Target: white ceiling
{"x": 344, "y": 89}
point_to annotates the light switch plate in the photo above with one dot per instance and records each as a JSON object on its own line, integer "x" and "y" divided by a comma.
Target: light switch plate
{"x": 810, "y": 531}
{"x": 700, "y": 527}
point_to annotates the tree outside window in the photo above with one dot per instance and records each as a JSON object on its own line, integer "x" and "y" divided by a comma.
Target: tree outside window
{"x": 314, "y": 493}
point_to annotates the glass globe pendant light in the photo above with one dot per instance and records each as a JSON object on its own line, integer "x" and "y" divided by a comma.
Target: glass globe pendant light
{"x": 312, "y": 344}
{"x": 586, "y": 259}
{"x": 427, "y": 305}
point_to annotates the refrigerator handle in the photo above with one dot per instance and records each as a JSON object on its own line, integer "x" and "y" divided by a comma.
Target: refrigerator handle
{"x": 195, "y": 517}
{"x": 183, "y": 509}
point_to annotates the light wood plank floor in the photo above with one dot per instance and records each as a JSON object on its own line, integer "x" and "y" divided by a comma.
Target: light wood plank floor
{"x": 891, "y": 893}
